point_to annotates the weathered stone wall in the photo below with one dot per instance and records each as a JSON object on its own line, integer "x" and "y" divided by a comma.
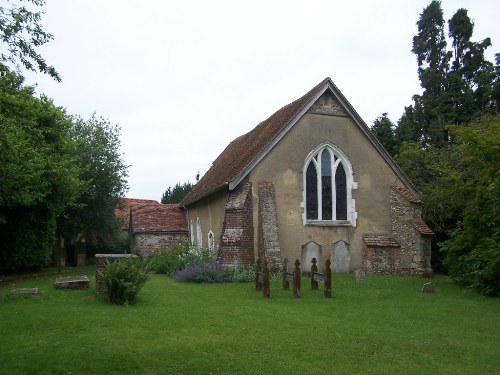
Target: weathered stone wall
{"x": 381, "y": 260}
{"x": 237, "y": 239}
{"x": 151, "y": 243}
{"x": 269, "y": 244}
{"x": 415, "y": 247}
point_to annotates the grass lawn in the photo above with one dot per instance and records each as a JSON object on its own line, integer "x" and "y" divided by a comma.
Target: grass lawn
{"x": 382, "y": 325}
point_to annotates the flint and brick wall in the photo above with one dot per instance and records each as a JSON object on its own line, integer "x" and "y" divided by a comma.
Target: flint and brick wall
{"x": 381, "y": 260}
{"x": 236, "y": 241}
{"x": 269, "y": 244}
{"x": 154, "y": 243}
{"x": 415, "y": 246}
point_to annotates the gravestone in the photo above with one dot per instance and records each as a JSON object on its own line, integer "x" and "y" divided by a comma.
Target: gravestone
{"x": 309, "y": 251}
{"x": 341, "y": 256}
{"x": 24, "y": 292}
{"x": 428, "y": 288}
{"x": 359, "y": 274}
{"x": 72, "y": 282}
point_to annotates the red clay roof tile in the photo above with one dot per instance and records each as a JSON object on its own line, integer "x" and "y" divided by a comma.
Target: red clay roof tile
{"x": 406, "y": 194}
{"x": 158, "y": 218}
{"x": 244, "y": 149}
{"x": 422, "y": 227}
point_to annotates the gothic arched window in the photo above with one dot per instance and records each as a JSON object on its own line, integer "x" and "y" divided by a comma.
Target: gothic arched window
{"x": 328, "y": 183}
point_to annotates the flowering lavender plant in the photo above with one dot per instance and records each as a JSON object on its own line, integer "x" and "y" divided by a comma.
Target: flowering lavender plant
{"x": 210, "y": 272}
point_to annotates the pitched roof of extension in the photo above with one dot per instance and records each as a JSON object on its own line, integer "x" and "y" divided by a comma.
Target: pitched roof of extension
{"x": 406, "y": 194}
{"x": 126, "y": 203}
{"x": 380, "y": 240}
{"x": 157, "y": 218}
{"x": 246, "y": 151}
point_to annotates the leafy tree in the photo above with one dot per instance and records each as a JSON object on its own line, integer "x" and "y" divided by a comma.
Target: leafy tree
{"x": 383, "y": 128}
{"x": 103, "y": 173}
{"x": 459, "y": 86}
{"x": 21, "y": 34}
{"x": 177, "y": 193}
{"x": 473, "y": 250}
{"x": 38, "y": 174}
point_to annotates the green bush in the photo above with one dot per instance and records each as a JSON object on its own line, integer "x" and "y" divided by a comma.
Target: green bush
{"x": 243, "y": 273}
{"x": 177, "y": 258}
{"x": 124, "y": 279}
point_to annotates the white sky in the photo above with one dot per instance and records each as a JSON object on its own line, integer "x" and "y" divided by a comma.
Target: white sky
{"x": 184, "y": 78}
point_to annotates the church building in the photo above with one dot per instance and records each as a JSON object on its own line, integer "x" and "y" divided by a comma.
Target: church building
{"x": 310, "y": 181}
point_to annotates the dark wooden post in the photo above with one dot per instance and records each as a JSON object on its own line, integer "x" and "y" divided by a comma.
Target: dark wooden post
{"x": 266, "y": 289}
{"x": 285, "y": 282}
{"x": 296, "y": 280}
{"x": 258, "y": 271}
{"x": 314, "y": 268}
{"x": 328, "y": 279}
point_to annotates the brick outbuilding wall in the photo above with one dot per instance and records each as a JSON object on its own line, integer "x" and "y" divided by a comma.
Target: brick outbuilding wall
{"x": 154, "y": 243}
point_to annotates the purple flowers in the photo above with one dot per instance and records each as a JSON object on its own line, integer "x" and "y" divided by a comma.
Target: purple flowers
{"x": 205, "y": 272}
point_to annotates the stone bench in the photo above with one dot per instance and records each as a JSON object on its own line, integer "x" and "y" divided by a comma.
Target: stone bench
{"x": 72, "y": 282}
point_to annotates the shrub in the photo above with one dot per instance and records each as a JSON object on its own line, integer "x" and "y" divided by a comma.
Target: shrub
{"x": 243, "y": 273}
{"x": 211, "y": 272}
{"x": 177, "y": 258}
{"x": 168, "y": 261}
{"x": 124, "y": 280}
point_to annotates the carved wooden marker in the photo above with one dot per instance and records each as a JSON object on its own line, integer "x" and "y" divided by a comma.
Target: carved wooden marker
{"x": 266, "y": 289}
{"x": 314, "y": 270}
{"x": 258, "y": 275}
{"x": 328, "y": 279}
{"x": 296, "y": 280}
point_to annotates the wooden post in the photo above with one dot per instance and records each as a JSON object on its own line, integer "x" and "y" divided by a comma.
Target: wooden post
{"x": 285, "y": 282}
{"x": 328, "y": 279}
{"x": 258, "y": 270}
{"x": 266, "y": 289}
{"x": 314, "y": 268}
{"x": 296, "y": 280}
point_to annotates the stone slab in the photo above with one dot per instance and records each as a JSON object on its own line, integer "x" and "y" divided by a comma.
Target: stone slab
{"x": 25, "y": 291}
{"x": 72, "y": 282}
{"x": 359, "y": 274}
{"x": 428, "y": 288}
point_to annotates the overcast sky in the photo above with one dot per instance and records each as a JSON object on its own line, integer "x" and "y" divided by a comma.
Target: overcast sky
{"x": 184, "y": 78}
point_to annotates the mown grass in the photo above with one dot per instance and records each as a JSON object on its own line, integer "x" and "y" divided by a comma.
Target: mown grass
{"x": 382, "y": 325}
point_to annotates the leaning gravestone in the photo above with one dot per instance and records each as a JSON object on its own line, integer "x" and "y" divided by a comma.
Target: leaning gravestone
{"x": 428, "y": 288}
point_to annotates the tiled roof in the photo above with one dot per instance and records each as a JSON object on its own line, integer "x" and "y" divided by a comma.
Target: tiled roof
{"x": 406, "y": 194}
{"x": 422, "y": 227}
{"x": 380, "y": 240}
{"x": 241, "y": 155}
{"x": 125, "y": 203}
{"x": 158, "y": 218}
{"x": 241, "y": 151}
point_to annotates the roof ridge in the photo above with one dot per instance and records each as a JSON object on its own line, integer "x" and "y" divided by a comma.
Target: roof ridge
{"x": 241, "y": 151}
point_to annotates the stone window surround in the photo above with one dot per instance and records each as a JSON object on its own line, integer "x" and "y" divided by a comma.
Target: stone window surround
{"x": 351, "y": 185}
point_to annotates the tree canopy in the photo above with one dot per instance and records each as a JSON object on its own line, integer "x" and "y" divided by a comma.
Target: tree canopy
{"x": 60, "y": 176}
{"x": 447, "y": 142}
{"x": 459, "y": 85}
{"x": 177, "y": 193}
{"x": 39, "y": 174}
{"x": 21, "y": 34}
